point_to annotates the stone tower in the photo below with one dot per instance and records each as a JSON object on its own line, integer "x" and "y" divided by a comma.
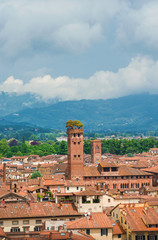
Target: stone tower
{"x": 95, "y": 151}
{"x": 75, "y": 153}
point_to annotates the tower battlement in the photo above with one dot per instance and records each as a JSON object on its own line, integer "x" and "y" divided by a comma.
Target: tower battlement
{"x": 75, "y": 152}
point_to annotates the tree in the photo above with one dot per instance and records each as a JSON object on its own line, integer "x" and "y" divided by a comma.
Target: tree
{"x": 12, "y": 142}
{"x": 87, "y": 146}
{"x": 74, "y": 124}
{"x": 35, "y": 175}
{"x": 62, "y": 148}
{"x": 4, "y": 148}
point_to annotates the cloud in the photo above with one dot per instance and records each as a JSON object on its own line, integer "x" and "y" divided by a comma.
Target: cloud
{"x": 139, "y": 76}
{"x": 28, "y": 27}
{"x": 74, "y": 38}
{"x": 71, "y": 25}
{"x": 139, "y": 25}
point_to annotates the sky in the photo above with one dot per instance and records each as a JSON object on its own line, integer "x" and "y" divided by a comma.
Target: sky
{"x": 72, "y": 50}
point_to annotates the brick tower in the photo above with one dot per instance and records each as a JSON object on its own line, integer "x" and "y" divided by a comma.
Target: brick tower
{"x": 75, "y": 153}
{"x": 95, "y": 151}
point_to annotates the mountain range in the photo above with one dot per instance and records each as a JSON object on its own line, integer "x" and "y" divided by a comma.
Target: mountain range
{"x": 133, "y": 113}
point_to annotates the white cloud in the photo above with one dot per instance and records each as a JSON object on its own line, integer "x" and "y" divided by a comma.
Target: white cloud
{"x": 139, "y": 76}
{"x": 139, "y": 25}
{"x": 73, "y": 25}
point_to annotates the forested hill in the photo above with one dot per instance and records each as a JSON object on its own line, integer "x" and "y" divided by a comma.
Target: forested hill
{"x": 136, "y": 112}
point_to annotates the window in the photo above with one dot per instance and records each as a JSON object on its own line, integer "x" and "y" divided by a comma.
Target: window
{"x": 74, "y": 155}
{"x": 25, "y": 221}
{"x": 15, "y": 222}
{"x": 119, "y": 235}
{"x": 67, "y": 188}
{"x": 38, "y": 221}
{"x": 15, "y": 229}
{"x": 78, "y": 143}
{"x": 140, "y": 237}
{"x": 74, "y": 142}
{"x": 88, "y": 231}
{"x": 152, "y": 237}
{"x": 72, "y": 219}
{"x": 1, "y": 223}
{"x": 37, "y": 228}
{"x": 104, "y": 231}
{"x": 77, "y": 188}
{"x": 25, "y": 229}
{"x": 79, "y": 155}
{"x": 108, "y": 199}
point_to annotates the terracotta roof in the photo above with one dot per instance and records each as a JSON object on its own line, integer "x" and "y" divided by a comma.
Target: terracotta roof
{"x": 74, "y": 183}
{"x": 54, "y": 182}
{"x": 151, "y": 170}
{"x": 117, "y": 228}
{"x": 108, "y": 164}
{"x": 36, "y": 209}
{"x": 151, "y": 216}
{"x": 88, "y": 193}
{"x": 128, "y": 171}
{"x": 91, "y": 171}
{"x": 96, "y": 220}
{"x": 135, "y": 218}
{"x": 2, "y": 233}
{"x": 66, "y": 235}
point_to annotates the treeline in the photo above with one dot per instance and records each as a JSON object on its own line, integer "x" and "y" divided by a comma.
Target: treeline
{"x": 24, "y": 148}
{"x": 113, "y": 146}
{"x": 124, "y": 146}
{"x": 42, "y": 134}
{"x": 30, "y": 133}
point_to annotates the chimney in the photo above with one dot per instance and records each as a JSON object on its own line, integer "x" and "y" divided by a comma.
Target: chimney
{"x": 11, "y": 185}
{"x": 51, "y": 236}
{"x": 4, "y": 173}
{"x": 70, "y": 234}
{"x": 40, "y": 182}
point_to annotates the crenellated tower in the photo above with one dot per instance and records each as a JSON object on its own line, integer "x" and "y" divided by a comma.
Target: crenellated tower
{"x": 95, "y": 151}
{"x": 75, "y": 152}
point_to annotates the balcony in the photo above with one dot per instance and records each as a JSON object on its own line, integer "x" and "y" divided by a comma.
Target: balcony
{"x": 96, "y": 200}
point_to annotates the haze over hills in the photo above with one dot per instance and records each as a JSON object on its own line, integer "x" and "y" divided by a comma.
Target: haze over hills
{"x": 11, "y": 102}
{"x": 134, "y": 113}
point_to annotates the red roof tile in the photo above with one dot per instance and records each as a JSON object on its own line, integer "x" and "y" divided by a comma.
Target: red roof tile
{"x": 95, "y": 220}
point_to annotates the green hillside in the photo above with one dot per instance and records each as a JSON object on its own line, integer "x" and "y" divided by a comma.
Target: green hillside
{"x": 136, "y": 112}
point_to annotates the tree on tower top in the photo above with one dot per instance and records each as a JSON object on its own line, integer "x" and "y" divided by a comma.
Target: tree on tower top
{"x": 74, "y": 124}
